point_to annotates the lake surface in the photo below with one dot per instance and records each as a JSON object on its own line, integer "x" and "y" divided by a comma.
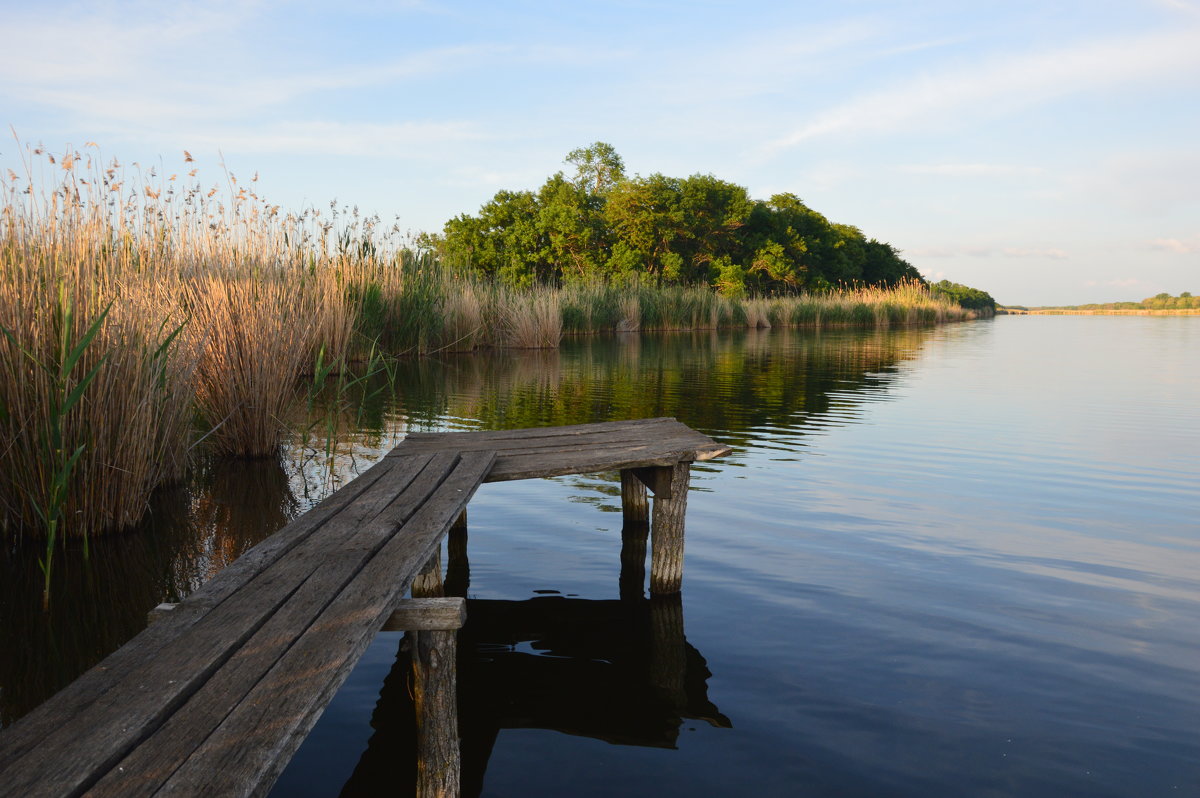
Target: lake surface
{"x": 958, "y": 561}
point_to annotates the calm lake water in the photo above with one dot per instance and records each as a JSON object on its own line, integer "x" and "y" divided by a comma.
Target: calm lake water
{"x": 960, "y": 561}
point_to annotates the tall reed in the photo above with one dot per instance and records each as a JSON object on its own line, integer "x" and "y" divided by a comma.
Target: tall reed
{"x": 133, "y": 302}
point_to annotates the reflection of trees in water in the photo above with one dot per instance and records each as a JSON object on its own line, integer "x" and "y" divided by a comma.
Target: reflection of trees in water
{"x": 619, "y": 671}
{"x": 726, "y": 382}
{"x": 99, "y": 601}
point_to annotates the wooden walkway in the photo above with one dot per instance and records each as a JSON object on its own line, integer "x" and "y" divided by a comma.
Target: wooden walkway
{"x": 214, "y": 698}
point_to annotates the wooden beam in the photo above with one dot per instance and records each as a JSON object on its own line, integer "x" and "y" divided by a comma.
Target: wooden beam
{"x": 657, "y": 479}
{"x": 428, "y": 614}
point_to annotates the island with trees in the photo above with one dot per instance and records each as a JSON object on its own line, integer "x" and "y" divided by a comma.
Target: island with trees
{"x": 598, "y": 222}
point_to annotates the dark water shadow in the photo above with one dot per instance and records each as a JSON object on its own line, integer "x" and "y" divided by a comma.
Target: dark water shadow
{"x": 99, "y": 598}
{"x": 619, "y": 671}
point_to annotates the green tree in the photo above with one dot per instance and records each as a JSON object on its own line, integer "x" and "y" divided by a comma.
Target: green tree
{"x": 597, "y": 167}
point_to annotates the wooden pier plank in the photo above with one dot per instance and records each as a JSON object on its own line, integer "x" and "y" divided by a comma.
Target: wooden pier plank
{"x": 246, "y": 753}
{"x": 35, "y": 728}
{"x": 215, "y": 697}
{"x": 555, "y": 451}
{"x": 157, "y": 683}
{"x": 145, "y": 768}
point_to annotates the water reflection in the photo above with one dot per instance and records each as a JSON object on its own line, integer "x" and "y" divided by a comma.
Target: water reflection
{"x": 739, "y": 387}
{"x": 619, "y": 671}
{"x": 100, "y": 598}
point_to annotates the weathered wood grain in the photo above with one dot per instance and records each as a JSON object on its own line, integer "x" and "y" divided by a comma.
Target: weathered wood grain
{"x": 435, "y": 688}
{"x": 344, "y": 548}
{"x": 666, "y": 534}
{"x": 528, "y": 433}
{"x": 428, "y": 581}
{"x": 217, "y": 694}
{"x": 634, "y": 507}
{"x": 65, "y": 743}
{"x": 427, "y": 615}
{"x": 247, "y": 751}
{"x": 582, "y": 448}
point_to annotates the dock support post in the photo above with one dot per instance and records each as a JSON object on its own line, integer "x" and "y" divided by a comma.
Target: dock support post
{"x": 668, "y": 653}
{"x": 434, "y": 694}
{"x": 633, "y": 498}
{"x": 428, "y": 582}
{"x": 458, "y": 567}
{"x": 634, "y": 536}
{"x": 666, "y": 532}
{"x": 433, "y": 625}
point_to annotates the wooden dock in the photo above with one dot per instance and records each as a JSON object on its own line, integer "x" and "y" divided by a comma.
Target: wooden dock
{"x": 215, "y": 697}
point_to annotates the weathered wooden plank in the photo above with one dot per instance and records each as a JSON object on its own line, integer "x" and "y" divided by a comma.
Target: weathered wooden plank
{"x": 675, "y": 435}
{"x": 666, "y": 535}
{"x": 538, "y": 432}
{"x": 587, "y": 462}
{"x": 427, "y": 615}
{"x": 37, "y": 730}
{"x": 548, "y": 451}
{"x": 246, "y": 753}
{"x": 160, "y": 611}
{"x": 70, "y": 758}
{"x": 144, "y": 769}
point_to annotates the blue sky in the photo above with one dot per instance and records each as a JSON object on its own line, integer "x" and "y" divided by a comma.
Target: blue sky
{"x": 1047, "y": 152}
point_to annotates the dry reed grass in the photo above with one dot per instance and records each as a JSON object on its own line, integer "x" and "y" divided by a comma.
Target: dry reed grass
{"x": 131, "y": 299}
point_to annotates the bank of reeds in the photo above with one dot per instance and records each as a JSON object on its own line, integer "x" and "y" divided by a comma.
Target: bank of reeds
{"x": 143, "y": 313}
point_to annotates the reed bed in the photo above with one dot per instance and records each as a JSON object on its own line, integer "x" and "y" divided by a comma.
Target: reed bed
{"x": 144, "y": 314}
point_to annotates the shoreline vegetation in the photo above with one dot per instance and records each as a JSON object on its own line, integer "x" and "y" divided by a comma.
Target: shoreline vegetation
{"x": 1159, "y": 305}
{"x": 144, "y": 314}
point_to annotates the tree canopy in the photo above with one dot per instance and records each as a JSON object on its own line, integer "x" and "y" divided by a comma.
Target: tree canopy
{"x": 967, "y": 297}
{"x": 599, "y": 223}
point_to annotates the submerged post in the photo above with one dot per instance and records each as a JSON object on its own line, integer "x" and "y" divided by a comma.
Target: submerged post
{"x": 633, "y": 559}
{"x": 428, "y": 583}
{"x": 458, "y": 567}
{"x": 633, "y": 498}
{"x": 666, "y": 531}
{"x": 434, "y": 687}
{"x": 433, "y": 625}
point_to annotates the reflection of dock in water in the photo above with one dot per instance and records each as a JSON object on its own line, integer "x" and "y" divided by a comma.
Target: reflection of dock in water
{"x": 614, "y": 670}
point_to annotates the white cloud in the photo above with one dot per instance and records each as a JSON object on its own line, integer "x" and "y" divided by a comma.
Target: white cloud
{"x": 1176, "y": 245}
{"x": 1016, "y": 80}
{"x": 1120, "y": 282}
{"x": 393, "y": 140}
{"x": 1053, "y": 253}
{"x": 968, "y": 169}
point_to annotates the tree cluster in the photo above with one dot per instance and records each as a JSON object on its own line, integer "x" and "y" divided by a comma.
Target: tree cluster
{"x": 971, "y": 298}
{"x": 599, "y": 223}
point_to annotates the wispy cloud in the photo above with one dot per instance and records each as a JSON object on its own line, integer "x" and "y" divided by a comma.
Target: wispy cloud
{"x": 1051, "y": 253}
{"x": 1176, "y": 245}
{"x": 1012, "y": 81}
{"x": 392, "y": 140}
{"x": 969, "y": 169}
{"x": 1120, "y": 282}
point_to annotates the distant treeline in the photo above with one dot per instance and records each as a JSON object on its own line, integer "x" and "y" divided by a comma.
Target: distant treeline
{"x": 1163, "y": 301}
{"x": 599, "y": 223}
{"x": 971, "y": 298}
